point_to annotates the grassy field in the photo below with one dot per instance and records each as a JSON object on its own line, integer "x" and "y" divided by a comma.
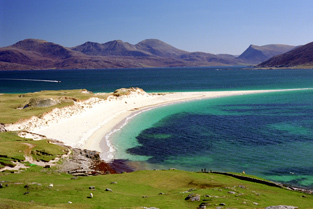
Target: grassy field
{"x": 14, "y": 148}
{"x": 161, "y": 189}
{"x": 12, "y": 106}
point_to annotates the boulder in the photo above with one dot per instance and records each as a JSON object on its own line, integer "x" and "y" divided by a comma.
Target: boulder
{"x": 2, "y": 127}
{"x": 193, "y": 197}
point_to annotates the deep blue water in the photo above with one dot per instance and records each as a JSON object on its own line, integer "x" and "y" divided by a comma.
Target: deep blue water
{"x": 156, "y": 79}
{"x": 269, "y": 134}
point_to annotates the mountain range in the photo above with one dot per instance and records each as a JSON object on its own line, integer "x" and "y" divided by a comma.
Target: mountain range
{"x": 40, "y": 54}
{"x": 301, "y": 56}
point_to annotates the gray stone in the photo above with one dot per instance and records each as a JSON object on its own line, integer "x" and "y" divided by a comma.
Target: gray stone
{"x": 113, "y": 182}
{"x": 281, "y": 207}
{"x": 92, "y": 187}
{"x": 108, "y": 190}
{"x": 193, "y": 197}
{"x": 222, "y": 204}
{"x": 232, "y": 192}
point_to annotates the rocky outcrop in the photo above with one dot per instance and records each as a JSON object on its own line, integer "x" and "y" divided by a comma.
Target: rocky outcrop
{"x": 2, "y": 127}
{"x": 87, "y": 162}
{"x": 41, "y": 102}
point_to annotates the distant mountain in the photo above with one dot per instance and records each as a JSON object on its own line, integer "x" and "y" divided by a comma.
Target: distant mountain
{"x": 300, "y": 56}
{"x": 159, "y": 48}
{"x": 203, "y": 58}
{"x": 257, "y": 54}
{"x": 31, "y": 53}
{"x": 40, "y": 54}
{"x": 112, "y": 48}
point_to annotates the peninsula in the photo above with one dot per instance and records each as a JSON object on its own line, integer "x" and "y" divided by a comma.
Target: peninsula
{"x": 88, "y": 124}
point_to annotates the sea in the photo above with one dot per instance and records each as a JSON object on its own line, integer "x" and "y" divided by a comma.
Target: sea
{"x": 269, "y": 135}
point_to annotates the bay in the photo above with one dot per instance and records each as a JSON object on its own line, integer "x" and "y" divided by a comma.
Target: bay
{"x": 268, "y": 135}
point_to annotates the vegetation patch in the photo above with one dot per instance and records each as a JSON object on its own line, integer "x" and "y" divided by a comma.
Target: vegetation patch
{"x": 14, "y": 149}
{"x": 21, "y": 106}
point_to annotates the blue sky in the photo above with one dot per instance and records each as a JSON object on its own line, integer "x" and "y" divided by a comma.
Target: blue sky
{"x": 219, "y": 26}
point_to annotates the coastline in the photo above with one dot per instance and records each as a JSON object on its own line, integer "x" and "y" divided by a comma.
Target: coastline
{"x": 91, "y": 128}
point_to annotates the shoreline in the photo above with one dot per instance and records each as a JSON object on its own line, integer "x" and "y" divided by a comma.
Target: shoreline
{"x": 91, "y": 129}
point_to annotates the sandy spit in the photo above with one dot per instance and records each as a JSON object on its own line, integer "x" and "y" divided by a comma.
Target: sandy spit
{"x": 86, "y": 124}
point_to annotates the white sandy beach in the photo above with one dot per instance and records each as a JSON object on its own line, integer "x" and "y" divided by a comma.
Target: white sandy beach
{"x": 87, "y": 127}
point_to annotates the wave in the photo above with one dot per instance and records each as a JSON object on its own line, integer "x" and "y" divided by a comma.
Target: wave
{"x": 36, "y": 80}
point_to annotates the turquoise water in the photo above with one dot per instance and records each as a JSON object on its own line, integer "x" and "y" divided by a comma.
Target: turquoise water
{"x": 269, "y": 135}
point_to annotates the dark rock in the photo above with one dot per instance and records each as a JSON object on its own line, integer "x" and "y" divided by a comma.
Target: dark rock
{"x": 26, "y": 186}
{"x": 193, "y": 197}
{"x": 222, "y": 204}
{"x": 1, "y": 186}
{"x": 108, "y": 190}
{"x": 26, "y": 193}
{"x": 204, "y": 205}
{"x": 2, "y": 127}
{"x": 92, "y": 187}
{"x": 161, "y": 193}
{"x": 47, "y": 166}
{"x": 144, "y": 196}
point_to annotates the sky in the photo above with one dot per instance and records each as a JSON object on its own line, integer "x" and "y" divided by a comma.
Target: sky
{"x": 213, "y": 26}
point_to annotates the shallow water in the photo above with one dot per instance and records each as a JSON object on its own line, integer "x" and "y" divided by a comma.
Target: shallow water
{"x": 268, "y": 135}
